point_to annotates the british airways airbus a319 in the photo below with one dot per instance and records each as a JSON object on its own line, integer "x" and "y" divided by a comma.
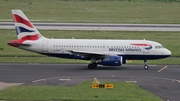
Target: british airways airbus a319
{"x": 102, "y": 52}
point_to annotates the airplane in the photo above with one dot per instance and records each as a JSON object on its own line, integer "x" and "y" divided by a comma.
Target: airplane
{"x": 98, "y": 51}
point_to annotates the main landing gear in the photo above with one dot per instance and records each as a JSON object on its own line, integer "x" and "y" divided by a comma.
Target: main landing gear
{"x": 93, "y": 64}
{"x": 145, "y": 65}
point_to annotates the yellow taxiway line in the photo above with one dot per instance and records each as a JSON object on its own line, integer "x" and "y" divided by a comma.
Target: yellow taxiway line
{"x": 162, "y": 68}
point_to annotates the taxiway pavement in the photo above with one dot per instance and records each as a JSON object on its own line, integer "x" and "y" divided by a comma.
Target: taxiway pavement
{"x": 163, "y": 83}
{"x": 98, "y": 26}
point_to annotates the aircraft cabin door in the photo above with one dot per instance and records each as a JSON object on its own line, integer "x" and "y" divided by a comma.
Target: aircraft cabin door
{"x": 146, "y": 47}
{"x": 45, "y": 46}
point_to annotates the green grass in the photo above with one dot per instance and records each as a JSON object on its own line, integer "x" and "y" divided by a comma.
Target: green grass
{"x": 122, "y": 91}
{"x": 167, "y": 61}
{"x": 40, "y": 60}
{"x": 95, "y": 11}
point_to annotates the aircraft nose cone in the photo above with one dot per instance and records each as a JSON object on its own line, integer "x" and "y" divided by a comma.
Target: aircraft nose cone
{"x": 168, "y": 52}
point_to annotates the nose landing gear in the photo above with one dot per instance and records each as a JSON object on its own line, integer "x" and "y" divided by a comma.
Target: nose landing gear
{"x": 145, "y": 65}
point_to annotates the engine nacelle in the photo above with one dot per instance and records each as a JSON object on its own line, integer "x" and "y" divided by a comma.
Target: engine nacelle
{"x": 111, "y": 61}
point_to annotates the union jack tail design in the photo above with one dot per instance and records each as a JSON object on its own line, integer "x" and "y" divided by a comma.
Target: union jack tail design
{"x": 24, "y": 28}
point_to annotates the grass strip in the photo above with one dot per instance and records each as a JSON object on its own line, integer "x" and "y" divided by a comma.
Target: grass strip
{"x": 95, "y": 11}
{"x": 122, "y": 91}
{"x": 167, "y": 61}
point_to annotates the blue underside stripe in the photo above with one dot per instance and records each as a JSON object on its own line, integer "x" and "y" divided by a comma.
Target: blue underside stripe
{"x": 133, "y": 57}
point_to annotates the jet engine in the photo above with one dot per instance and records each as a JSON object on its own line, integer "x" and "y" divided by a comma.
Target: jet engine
{"x": 111, "y": 61}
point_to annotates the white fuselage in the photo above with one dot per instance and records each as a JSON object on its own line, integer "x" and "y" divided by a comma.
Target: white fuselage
{"x": 129, "y": 49}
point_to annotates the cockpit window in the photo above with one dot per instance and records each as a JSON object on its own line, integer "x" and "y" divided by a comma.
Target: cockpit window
{"x": 159, "y": 47}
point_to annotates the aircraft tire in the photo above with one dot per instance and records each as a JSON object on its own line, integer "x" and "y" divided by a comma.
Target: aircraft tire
{"x": 146, "y": 67}
{"x": 92, "y": 66}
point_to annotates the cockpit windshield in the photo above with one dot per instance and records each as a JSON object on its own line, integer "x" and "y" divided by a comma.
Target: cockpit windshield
{"x": 159, "y": 47}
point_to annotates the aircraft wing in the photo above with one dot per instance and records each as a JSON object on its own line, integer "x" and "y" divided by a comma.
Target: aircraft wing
{"x": 86, "y": 52}
{"x": 91, "y": 54}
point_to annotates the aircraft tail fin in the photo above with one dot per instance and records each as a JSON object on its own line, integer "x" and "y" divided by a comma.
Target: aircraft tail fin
{"x": 24, "y": 28}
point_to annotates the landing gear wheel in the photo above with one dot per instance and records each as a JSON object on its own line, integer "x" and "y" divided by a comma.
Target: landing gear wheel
{"x": 145, "y": 64}
{"x": 92, "y": 66}
{"x": 146, "y": 67}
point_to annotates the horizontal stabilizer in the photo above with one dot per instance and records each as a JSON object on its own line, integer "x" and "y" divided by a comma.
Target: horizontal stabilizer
{"x": 16, "y": 43}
